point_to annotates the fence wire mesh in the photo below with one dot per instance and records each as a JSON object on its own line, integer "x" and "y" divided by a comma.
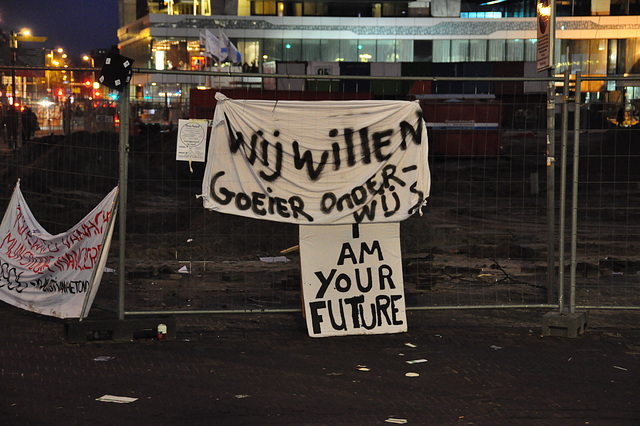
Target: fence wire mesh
{"x": 482, "y": 241}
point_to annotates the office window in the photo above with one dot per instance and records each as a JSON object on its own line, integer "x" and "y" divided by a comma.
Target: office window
{"x": 367, "y": 51}
{"x": 422, "y": 51}
{"x": 621, "y": 56}
{"x": 263, "y": 7}
{"x": 496, "y": 50}
{"x": 386, "y": 50}
{"x": 273, "y": 49}
{"x": 628, "y": 58}
{"x": 560, "y": 56}
{"x": 441, "y": 51}
{"x": 404, "y": 50}
{"x": 250, "y": 50}
{"x": 311, "y": 50}
{"x": 477, "y": 50}
{"x": 349, "y": 50}
{"x": 459, "y": 50}
{"x": 579, "y": 56}
{"x": 292, "y": 49}
{"x": 531, "y": 49}
{"x": 481, "y": 15}
{"x": 330, "y": 51}
{"x": 515, "y": 50}
{"x": 597, "y": 57}
{"x": 312, "y": 8}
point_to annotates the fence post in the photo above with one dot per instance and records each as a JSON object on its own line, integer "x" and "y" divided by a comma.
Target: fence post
{"x": 123, "y": 150}
{"x": 563, "y": 188}
{"x": 574, "y": 195}
{"x": 560, "y": 323}
{"x": 551, "y": 240}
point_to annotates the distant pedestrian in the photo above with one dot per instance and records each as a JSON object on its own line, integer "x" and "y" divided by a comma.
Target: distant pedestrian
{"x": 29, "y": 123}
{"x": 11, "y": 121}
{"x": 2, "y": 132}
{"x": 66, "y": 118}
{"x": 620, "y": 117}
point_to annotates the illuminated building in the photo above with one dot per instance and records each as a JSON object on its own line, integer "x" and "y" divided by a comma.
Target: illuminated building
{"x": 437, "y": 37}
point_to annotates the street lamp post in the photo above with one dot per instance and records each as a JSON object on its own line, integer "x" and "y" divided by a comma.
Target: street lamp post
{"x": 24, "y": 35}
{"x": 14, "y": 54}
{"x": 93, "y": 74}
{"x": 14, "y": 59}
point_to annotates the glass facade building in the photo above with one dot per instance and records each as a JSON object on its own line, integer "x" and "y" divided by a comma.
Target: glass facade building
{"x": 595, "y": 37}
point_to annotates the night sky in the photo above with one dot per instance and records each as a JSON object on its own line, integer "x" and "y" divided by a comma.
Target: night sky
{"x": 78, "y": 26}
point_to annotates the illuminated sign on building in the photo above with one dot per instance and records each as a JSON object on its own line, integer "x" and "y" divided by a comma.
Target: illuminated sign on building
{"x": 197, "y": 62}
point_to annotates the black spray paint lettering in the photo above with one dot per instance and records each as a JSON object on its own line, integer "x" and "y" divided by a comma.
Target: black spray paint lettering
{"x": 251, "y": 153}
{"x": 382, "y": 309}
{"x": 359, "y": 196}
{"x": 259, "y": 203}
{"x": 9, "y": 277}
{"x": 344, "y": 281}
{"x": 52, "y": 285}
{"x": 371, "y": 146}
{"x": 65, "y": 287}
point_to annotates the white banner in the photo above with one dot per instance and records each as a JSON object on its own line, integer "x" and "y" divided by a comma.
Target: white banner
{"x": 352, "y": 279}
{"x": 55, "y": 275}
{"x": 321, "y": 162}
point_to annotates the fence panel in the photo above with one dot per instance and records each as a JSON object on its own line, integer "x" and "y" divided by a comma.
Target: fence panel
{"x": 482, "y": 240}
{"x": 608, "y": 226}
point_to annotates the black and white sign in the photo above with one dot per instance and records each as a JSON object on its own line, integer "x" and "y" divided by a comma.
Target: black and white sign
{"x": 192, "y": 140}
{"x": 352, "y": 279}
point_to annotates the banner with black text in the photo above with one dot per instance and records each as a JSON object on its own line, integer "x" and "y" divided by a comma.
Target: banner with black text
{"x": 317, "y": 162}
{"x": 55, "y": 275}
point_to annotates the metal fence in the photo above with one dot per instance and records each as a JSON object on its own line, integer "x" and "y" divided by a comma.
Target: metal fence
{"x": 509, "y": 223}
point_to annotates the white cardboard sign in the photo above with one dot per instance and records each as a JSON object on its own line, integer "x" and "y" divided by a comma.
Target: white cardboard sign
{"x": 352, "y": 279}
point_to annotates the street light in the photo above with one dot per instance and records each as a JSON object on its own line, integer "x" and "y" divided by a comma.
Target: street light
{"x": 22, "y": 36}
{"x": 89, "y": 59}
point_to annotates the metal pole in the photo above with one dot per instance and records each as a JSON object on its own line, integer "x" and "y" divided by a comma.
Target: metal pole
{"x": 574, "y": 195}
{"x": 108, "y": 233}
{"x": 551, "y": 141}
{"x": 563, "y": 188}
{"x": 14, "y": 59}
{"x": 124, "y": 164}
{"x": 14, "y": 53}
{"x": 551, "y": 237}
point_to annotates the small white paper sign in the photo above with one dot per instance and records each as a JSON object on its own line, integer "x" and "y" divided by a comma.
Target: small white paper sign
{"x": 192, "y": 140}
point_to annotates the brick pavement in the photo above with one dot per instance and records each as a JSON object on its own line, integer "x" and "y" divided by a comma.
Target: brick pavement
{"x": 483, "y": 367}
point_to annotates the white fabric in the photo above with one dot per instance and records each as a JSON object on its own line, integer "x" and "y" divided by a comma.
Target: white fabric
{"x": 320, "y": 162}
{"x": 352, "y": 279}
{"x": 53, "y": 275}
{"x": 229, "y": 50}
{"x": 210, "y": 43}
